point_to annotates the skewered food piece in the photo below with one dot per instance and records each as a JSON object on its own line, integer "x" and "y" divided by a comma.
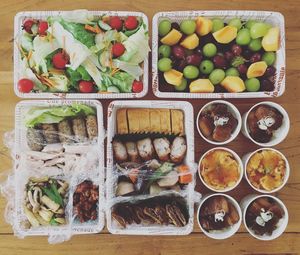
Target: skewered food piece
{"x": 263, "y": 216}
{"x": 145, "y": 148}
{"x": 91, "y": 126}
{"x": 44, "y": 202}
{"x": 178, "y": 149}
{"x": 35, "y": 139}
{"x": 217, "y": 123}
{"x": 120, "y": 152}
{"x": 162, "y": 148}
{"x": 50, "y": 133}
{"x": 65, "y": 131}
{"x": 143, "y": 120}
{"x": 85, "y": 200}
{"x": 218, "y": 213}
{"x": 263, "y": 121}
{"x": 79, "y": 129}
{"x": 159, "y": 210}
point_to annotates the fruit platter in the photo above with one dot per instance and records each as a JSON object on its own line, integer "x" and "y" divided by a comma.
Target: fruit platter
{"x": 211, "y": 54}
{"x": 81, "y": 54}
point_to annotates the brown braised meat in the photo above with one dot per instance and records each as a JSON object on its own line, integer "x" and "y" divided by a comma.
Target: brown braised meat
{"x": 50, "y": 133}
{"x": 218, "y": 213}
{"x": 217, "y": 123}
{"x": 262, "y": 121}
{"x": 35, "y": 139}
{"x": 263, "y": 215}
{"x": 91, "y": 126}
{"x": 79, "y": 129}
{"x": 85, "y": 200}
{"x": 65, "y": 131}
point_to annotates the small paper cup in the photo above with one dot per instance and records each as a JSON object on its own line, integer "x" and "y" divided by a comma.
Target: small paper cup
{"x": 278, "y": 135}
{"x": 228, "y": 232}
{"x": 238, "y": 159}
{"x": 246, "y": 159}
{"x": 232, "y": 109}
{"x": 246, "y": 201}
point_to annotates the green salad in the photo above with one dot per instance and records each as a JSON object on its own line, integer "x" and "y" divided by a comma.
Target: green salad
{"x": 77, "y": 52}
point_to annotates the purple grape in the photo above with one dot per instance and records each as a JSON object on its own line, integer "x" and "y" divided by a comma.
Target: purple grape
{"x": 194, "y": 59}
{"x": 175, "y": 26}
{"x": 247, "y": 54}
{"x": 236, "y": 50}
{"x": 228, "y": 55}
{"x": 220, "y": 61}
{"x": 266, "y": 85}
{"x": 242, "y": 69}
{"x": 255, "y": 57}
{"x": 180, "y": 65}
{"x": 270, "y": 71}
{"x": 178, "y": 51}
{"x": 198, "y": 51}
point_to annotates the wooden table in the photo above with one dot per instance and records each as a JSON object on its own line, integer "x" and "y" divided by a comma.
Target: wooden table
{"x": 105, "y": 243}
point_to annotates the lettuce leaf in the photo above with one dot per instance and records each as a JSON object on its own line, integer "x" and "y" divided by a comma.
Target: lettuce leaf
{"x": 79, "y": 32}
{"x": 79, "y": 16}
{"x": 132, "y": 69}
{"x": 79, "y": 74}
{"x": 123, "y": 81}
{"x": 43, "y": 115}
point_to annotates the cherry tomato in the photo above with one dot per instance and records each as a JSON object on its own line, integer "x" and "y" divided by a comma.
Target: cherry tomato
{"x": 118, "y": 49}
{"x": 86, "y": 86}
{"x": 137, "y": 86}
{"x": 116, "y": 23}
{"x": 131, "y": 22}
{"x": 60, "y": 60}
{"x": 42, "y": 28}
{"x": 25, "y": 85}
{"x": 27, "y": 24}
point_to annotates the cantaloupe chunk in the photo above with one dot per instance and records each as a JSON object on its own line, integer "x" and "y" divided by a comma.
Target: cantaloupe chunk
{"x": 257, "y": 69}
{"x": 172, "y": 37}
{"x": 233, "y": 84}
{"x": 202, "y": 86}
{"x": 173, "y": 77}
{"x": 226, "y": 34}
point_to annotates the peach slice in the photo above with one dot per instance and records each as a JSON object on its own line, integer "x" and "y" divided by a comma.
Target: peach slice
{"x": 173, "y": 77}
{"x": 190, "y": 42}
{"x": 202, "y": 86}
{"x": 271, "y": 40}
{"x": 226, "y": 34}
{"x": 233, "y": 84}
{"x": 203, "y": 26}
{"x": 172, "y": 37}
{"x": 257, "y": 69}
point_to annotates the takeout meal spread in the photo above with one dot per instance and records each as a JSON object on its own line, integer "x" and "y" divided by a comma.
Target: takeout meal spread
{"x": 78, "y": 52}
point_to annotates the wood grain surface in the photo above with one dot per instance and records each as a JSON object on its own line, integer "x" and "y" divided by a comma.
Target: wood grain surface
{"x": 197, "y": 242}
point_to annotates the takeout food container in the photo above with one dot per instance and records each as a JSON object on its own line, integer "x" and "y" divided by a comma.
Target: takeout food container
{"x": 226, "y": 233}
{"x": 233, "y": 110}
{"x": 187, "y": 194}
{"x": 246, "y": 201}
{"x": 248, "y": 156}
{"x": 93, "y": 172}
{"x": 274, "y": 18}
{"x": 18, "y": 21}
{"x": 236, "y": 157}
{"x": 278, "y": 135}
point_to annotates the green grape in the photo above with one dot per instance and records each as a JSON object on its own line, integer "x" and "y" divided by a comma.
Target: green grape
{"x": 217, "y": 76}
{"x": 217, "y": 24}
{"x": 164, "y": 64}
{"x": 255, "y": 44}
{"x": 236, "y": 22}
{"x": 206, "y": 67}
{"x": 250, "y": 23}
{"x": 188, "y": 26}
{"x": 164, "y": 27}
{"x": 232, "y": 71}
{"x": 259, "y": 29}
{"x": 269, "y": 58}
{"x": 252, "y": 84}
{"x": 164, "y": 51}
{"x": 209, "y": 50}
{"x": 190, "y": 72}
{"x": 243, "y": 37}
{"x": 182, "y": 85}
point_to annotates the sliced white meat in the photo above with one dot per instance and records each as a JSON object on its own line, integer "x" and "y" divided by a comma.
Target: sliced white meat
{"x": 162, "y": 148}
{"x": 38, "y": 155}
{"x": 132, "y": 151}
{"x": 55, "y": 161}
{"x": 178, "y": 149}
{"x": 168, "y": 180}
{"x": 120, "y": 151}
{"x": 76, "y": 149}
{"x": 34, "y": 163}
{"x": 53, "y": 148}
{"x": 145, "y": 149}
